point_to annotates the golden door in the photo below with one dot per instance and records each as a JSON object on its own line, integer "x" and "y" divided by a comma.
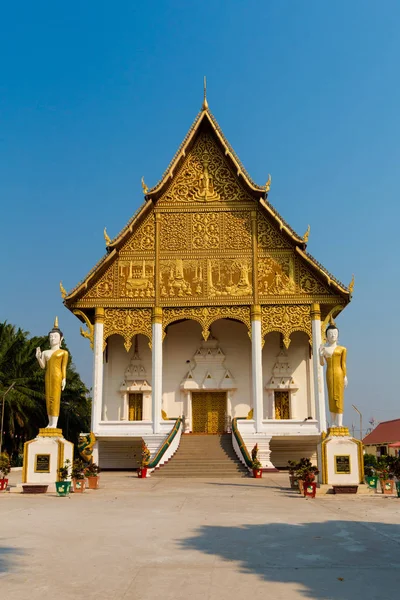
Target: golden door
{"x": 282, "y": 410}
{"x": 135, "y": 407}
{"x": 208, "y": 412}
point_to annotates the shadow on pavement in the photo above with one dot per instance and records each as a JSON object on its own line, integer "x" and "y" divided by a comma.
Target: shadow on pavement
{"x": 331, "y": 560}
{"x": 7, "y": 555}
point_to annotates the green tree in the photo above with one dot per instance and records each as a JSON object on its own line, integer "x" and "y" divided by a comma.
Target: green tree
{"x": 25, "y": 406}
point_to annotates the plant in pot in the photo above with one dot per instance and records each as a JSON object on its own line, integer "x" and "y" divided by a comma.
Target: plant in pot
{"x": 384, "y": 469}
{"x": 78, "y": 476}
{"x": 63, "y": 486}
{"x": 305, "y": 474}
{"x": 292, "y": 474}
{"x": 371, "y": 478}
{"x": 142, "y": 473}
{"x": 5, "y": 468}
{"x": 255, "y": 463}
{"x": 92, "y": 475}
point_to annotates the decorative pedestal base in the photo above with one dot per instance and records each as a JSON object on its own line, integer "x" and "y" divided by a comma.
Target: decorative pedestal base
{"x": 43, "y": 456}
{"x": 342, "y": 460}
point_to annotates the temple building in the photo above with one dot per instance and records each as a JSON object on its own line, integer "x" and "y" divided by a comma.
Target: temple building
{"x": 205, "y": 317}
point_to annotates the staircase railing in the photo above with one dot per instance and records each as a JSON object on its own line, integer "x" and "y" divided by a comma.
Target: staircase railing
{"x": 239, "y": 440}
{"x": 166, "y": 445}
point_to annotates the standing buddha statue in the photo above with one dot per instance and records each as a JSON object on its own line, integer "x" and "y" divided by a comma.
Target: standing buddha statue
{"x": 336, "y": 379}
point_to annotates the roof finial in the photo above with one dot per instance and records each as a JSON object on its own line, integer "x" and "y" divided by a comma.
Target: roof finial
{"x": 205, "y": 103}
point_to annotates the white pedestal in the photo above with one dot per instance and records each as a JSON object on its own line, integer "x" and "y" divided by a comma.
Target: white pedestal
{"x": 44, "y": 455}
{"x": 342, "y": 458}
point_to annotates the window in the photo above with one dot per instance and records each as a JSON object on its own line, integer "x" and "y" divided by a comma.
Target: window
{"x": 135, "y": 407}
{"x": 282, "y": 405}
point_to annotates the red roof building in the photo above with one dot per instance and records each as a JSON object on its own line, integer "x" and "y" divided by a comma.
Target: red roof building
{"x": 381, "y": 440}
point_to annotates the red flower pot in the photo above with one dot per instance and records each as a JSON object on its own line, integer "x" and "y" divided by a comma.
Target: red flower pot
{"x": 3, "y": 484}
{"x": 257, "y": 473}
{"x": 142, "y": 473}
{"x": 310, "y": 488}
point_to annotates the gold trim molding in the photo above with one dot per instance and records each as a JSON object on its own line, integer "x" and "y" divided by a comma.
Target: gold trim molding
{"x": 286, "y": 319}
{"x": 127, "y": 323}
{"x": 207, "y": 315}
{"x": 89, "y": 334}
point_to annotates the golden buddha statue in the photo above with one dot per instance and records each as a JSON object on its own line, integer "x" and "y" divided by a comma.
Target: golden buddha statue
{"x": 55, "y": 362}
{"x": 336, "y": 379}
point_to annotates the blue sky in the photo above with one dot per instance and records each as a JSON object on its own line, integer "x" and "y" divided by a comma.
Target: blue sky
{"x": 94, "y": 95}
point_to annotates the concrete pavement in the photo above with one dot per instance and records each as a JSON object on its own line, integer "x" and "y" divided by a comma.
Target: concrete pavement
{"x": 198, "y": 539}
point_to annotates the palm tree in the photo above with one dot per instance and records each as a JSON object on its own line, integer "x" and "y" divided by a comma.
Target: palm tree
{"x": 25, "y": 406}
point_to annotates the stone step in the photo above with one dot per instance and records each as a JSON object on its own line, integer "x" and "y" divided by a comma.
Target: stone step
{"x": 204, "y": 456}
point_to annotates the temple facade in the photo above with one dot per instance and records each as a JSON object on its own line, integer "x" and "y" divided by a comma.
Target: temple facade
{"x": 203, "y": 316}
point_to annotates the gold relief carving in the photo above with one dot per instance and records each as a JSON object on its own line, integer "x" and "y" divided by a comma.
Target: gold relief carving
{"x": 308, "y": 283}
{"x": 143, "y": 237}
{"x": 205, "y": 177}
{"x": 286, "y": 319}
{"x": 229, "y": 277}
{"x": 127, "y": 323}
{"x": 136, "y": 278}
{"x": 181, "y": 278}
{"x": 206, "y": 230}
{"x": 276, "y": 276}
{"x": 268, "y": 236}
{"x": 207, "y": 315}
{"x": 174, "y": 232}
{"x": 237, "y": 230}
{"x": 104, "y": 288}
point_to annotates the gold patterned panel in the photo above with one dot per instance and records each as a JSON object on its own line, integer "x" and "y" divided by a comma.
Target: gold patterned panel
{"x": 206, "y": 230}
{"x": 136, "y": 278}
{"x": 205, "y": 177}
{"x": 105, "y": 287}
{"x": 282, "y": 410}
{"x": 269, "y": 237}
{"x": 286, "y": 319}
{"x": 142, "y": 238}
{"x": 174, "y": 231}
{"x": 309, "y": 284}
{"x": 207, "y": 315}
{"x": 237, "y": 230}
{"x": 208, "y": 412}
{"x": 127, "y": 323}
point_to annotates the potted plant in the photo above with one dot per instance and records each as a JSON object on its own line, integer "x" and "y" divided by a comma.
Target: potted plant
{"x": 142, "y": 473}
{"x": 5, "y": 468}
{"x": 92, "y": 475}
{"x": 371, "y": 478}
{"x": 384, "y": 468}
{"x": 292, "y": 474}
{"x": 63, "y": 486}
{"x": 255, "y": 463}
{"x": 305, "y": 473}
{"x": 78, "y": 476}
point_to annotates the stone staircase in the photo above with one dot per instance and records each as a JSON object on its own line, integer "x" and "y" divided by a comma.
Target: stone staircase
{"x": 206, "y": 456}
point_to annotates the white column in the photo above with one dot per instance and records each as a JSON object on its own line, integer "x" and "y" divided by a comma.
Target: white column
{"x": 319, "y": 389}
{"x": 156, "y": 372}
{"x": 97, "y": 400}
{"x": 256, "y": 366}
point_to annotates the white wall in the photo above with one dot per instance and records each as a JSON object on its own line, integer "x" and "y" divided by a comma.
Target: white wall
{"x": 301, "y": 369}
{"x": 114, "y": 369}
{"x": 180, "y": 344}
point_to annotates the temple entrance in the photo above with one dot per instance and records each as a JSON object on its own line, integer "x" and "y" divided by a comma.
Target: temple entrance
{"x": 135, "y": 407}
{"x": 208, "y": 412}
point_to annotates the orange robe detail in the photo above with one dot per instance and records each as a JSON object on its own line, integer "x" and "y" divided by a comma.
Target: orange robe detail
{"x": 335, "y": 374}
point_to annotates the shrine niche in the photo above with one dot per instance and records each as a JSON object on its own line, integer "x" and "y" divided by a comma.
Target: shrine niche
{"x": 282, "y": 388}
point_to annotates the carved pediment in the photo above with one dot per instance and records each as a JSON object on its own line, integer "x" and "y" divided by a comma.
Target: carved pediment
{"x": 205, "y": 177}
